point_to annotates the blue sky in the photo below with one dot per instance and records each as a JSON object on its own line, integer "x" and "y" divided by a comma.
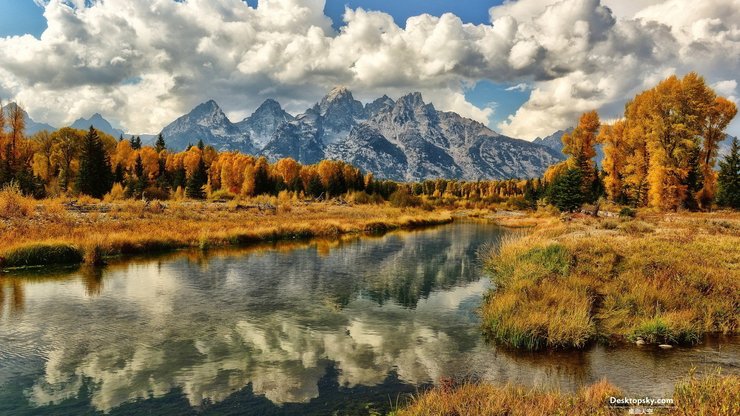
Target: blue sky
{"x": 18, "y": 17}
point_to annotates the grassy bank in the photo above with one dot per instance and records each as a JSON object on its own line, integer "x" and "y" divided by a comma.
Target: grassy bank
{"x": 53, "y": 232}
{"x": 658, "y": 278}
{"x": 715, "y": 395}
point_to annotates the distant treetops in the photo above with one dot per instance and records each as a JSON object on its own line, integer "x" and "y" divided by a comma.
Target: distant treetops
{"x": 662, "y": 154}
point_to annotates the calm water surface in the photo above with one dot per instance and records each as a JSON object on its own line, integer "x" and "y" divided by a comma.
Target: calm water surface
{"x": 343, "y": 327}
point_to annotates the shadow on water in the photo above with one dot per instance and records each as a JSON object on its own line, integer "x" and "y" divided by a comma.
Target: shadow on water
{"x": 311, "y": 327}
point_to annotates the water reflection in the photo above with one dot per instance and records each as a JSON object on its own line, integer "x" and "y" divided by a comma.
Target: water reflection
{"x": 280, "y": 322}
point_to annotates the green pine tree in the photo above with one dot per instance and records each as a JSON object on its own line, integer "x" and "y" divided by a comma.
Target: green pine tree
{"x": 728, "y": 180}
{"x": 136, "y": 142}
{"x": 95, "y": 177}
{"x": 160, "y": 144}
{"x": 140, "y": 182}
{"x": 565, "y": 191}
{"x": 196, "y": 181}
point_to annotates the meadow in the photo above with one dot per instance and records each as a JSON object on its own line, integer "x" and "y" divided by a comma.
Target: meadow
{"x": 66, "y": 231}
{"x": 659, "y": 278}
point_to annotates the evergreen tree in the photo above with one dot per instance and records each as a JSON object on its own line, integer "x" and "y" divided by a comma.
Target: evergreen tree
{"x": 118, "y": 174}
{"x": 597, "y": 186}
{"x": 531, "y": 194}
{"x": 163, "y": 180}
{"x": 140, "y": 181}
{"x": 160, "y": 144}
{"x": 201, "y": 146}
{"x": 728, "y": 180}
{"x": 565, "y": 190}
{"x": 179, "y": 178}
{"x": 196, "y": 181}
{"x": 95, "y": 177}
{"x": 262, "y": 182}
{"x": 136, "y": 142}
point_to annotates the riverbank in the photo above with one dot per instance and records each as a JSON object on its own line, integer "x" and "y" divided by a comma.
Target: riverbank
{"x": 711, "y": 395}
{"x": 656, "y": 279}
{"x": 57, "y": 232}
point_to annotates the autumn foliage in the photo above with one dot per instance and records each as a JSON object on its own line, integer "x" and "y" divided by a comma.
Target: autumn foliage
{"x": 663, "y": 152}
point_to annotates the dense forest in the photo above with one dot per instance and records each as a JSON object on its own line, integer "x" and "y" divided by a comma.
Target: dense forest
{"x": 661, "y": 154}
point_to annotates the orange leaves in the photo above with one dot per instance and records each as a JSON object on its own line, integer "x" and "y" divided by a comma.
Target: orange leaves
{"x": 580, "y": 143}
{"x": 668, "y": 132}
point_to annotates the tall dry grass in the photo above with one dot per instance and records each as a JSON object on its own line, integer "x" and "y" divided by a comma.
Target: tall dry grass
{"x": 488, "y": 400}
{"x": 662, "y": 279}
{"x": 97, "y": 230}
{"x": 712, "y": 395}
{"x": 13, "y": 204}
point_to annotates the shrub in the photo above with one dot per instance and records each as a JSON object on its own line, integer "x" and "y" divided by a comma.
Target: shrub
{"x": 41, "y": 254}
{"x": 358, "y": 197}
{"x": 13, "y": 204}
{"x": 627, "y": 212}
{"x": 403, "y": 199}
{"x": 608, "y": 225}
{"x": 222, "y": 195}
{"x": 518, "y": 203}
{"x": 156, "y": 193}
{"x": 636, "y": 227}
{"x": 117, "y": 193}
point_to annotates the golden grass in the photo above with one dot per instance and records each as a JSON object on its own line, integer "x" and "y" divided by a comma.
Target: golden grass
{"x": 133, "y": 227}
{"x": 661, "y": 278}
{"x": 482, "y": 399}
{"x": 13, "y": 204}
{"x": 716, "y": 395}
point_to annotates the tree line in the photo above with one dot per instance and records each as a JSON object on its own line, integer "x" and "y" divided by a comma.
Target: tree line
{"x": 661, "y": 154}
{"x": 71, "y": 161}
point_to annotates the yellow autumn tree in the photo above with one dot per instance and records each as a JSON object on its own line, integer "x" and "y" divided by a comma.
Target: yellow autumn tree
{"x": 676, "y": 107}
{"x": 289, "y": 171}
{"x": 580, "y": 145}
{"x": 612, "y": 138}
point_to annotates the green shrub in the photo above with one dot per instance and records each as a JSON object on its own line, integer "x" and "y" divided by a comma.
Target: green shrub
{"x": 554, "y": 258}
{"x": 403, "y": 199}
{"x": 41, "y": 255}
{"x": 627, "y": 212}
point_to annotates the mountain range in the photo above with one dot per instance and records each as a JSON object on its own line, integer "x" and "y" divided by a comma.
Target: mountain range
{"x": 406, "y": 139}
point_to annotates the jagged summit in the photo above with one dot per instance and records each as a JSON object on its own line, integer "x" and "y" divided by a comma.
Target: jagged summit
{"x": 406, "y": 139}
{"x": 262, "y": 124}
{"x": 207, "y": 122}
{"x": 99, "y": 123}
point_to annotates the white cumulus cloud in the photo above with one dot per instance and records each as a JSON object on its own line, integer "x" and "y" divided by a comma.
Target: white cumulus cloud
{"x": 142, "y": 63}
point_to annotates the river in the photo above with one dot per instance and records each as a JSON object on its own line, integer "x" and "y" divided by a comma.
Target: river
{"x": 320, "y": 327}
